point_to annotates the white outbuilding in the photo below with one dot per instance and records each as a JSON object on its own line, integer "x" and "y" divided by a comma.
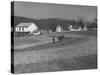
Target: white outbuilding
{"x": 27, "y": 27}
{"x": 59, "y": 29}
{"x": 74, "y": 28}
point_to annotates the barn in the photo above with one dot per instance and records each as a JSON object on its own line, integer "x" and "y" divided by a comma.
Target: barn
{"x": 27, "y": 27}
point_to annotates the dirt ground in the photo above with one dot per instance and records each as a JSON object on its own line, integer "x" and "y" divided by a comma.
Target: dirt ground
{"x": 78, "y": 50}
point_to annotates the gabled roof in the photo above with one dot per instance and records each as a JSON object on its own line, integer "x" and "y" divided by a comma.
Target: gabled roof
{"x": 24, "y": 24}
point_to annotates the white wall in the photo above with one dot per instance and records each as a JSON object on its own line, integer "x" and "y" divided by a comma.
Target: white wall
{"x": 19, "y": 29}
{"x": 58, "y": 29}
{"x": 32, "y": 28}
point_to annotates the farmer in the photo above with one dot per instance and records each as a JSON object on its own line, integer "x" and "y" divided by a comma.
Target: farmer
{"x": 53, "y": 39}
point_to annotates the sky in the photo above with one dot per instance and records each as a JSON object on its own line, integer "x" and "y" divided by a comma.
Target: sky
{"x": 43, "y": 10}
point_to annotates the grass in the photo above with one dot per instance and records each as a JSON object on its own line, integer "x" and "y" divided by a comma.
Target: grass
{"x": 36, "y": 39}
{"x": 77, "y": 63}
{"x": 25, "y": 41}
{"x": 70, "y": 54}
{"x": 30, "y": 40}
{"x": 64, "y": 42}
{"x": 86, "y": 33}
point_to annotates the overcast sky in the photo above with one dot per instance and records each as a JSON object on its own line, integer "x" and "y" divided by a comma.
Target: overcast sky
{"x": 41, "y": 10}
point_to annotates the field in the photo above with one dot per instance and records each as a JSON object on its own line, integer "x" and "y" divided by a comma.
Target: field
{"x": 78, "y": 50}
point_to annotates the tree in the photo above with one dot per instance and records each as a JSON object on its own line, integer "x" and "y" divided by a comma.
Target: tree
{"x": 94, "y": 23}
{"x": 81, "y": 22}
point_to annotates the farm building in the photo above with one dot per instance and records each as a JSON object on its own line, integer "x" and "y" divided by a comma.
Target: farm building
{"x": 59, "y": 29}
{"x": 27, "y": 27}
{"x": 74, "y": 28}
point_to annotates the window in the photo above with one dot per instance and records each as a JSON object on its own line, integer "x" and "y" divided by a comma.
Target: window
{"x": 17, "y": 29}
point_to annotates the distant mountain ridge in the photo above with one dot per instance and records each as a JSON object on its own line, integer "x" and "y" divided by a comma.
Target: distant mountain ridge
{"x": 18, "y": 20}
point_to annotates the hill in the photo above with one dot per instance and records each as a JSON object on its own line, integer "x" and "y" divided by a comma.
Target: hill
{"x": 45, "y": 24}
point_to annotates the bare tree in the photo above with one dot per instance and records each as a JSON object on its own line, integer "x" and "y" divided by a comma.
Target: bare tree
{"x": 80, "y": 22}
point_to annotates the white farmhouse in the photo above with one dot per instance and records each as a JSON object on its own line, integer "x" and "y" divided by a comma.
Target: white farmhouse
{"x": 27, "y": 27}
{"x": 59, "y": 29}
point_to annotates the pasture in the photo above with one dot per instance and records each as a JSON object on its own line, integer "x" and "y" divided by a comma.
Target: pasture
{"x": 78, "y": 50}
